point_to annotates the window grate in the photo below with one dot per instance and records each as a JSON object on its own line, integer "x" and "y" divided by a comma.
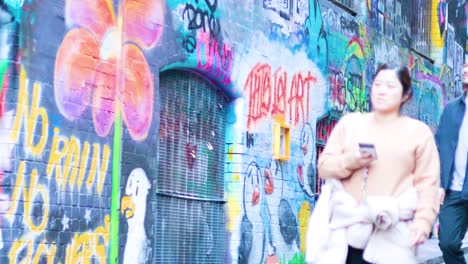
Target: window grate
{"x": 190, "y": 218}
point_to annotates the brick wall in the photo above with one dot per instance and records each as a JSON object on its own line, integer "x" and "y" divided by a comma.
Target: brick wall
{"x": 83, "y": 121}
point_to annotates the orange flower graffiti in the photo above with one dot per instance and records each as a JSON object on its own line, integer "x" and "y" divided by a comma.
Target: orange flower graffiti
{"x": 100, "y": 63}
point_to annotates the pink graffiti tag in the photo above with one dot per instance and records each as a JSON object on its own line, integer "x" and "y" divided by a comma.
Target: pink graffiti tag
{"x": 213, "y": 59}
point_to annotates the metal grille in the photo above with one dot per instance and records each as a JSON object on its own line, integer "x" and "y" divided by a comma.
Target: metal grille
{"x": 420, "y": 27}
{"x": 190, "y": 224}
{"x": 190, "y": 231}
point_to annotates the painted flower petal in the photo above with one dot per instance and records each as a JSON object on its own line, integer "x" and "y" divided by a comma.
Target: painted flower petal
{"x": 104, "y": 97}
{"x": 143, "y": 20}
{"x": 95, "y": 15}
{"x": 75, "y": 66}
{"x": 136, "y": 94}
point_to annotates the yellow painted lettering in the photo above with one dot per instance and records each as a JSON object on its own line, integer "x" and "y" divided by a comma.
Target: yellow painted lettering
{"x": 72, "y": 162}
{"x": 36, "y": 191}
{"x": 30, "y": 117}
{"x": 102, "y": 232}
{"x": 87, "y": 245}
{"x": 21, "y": 107}
{"x": 17, "y": 248}
{"x": 83, "y": 163}
{"x": 56, "y": 156}
{"x": 35, "y": 113}
{"x": 98, "y": 166}
{"x": 17, "y": 190}
{"x": 42, "y": 250}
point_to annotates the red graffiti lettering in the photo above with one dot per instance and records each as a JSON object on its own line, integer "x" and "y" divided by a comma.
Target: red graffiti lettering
{"x": 281, "y": 79}
{"x": 257, "y": 83}
{"x": 299, "y": 95}
{"x": 270, "y": 95}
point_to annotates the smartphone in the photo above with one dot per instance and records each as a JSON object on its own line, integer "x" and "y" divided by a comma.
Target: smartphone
{"x": 370, "y": 148}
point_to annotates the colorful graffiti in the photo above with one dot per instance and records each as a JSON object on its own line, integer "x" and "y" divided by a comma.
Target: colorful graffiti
{"x": 119, "y": 81}
{"x": 278, "y": 195}
{"x": 120, "y": 78}
{"x": 340, "y": 23}
{"x": 270, "y": 94}
{"x": 442, "y": 16}
{"x": 200, "y": 18}
{"x": 265, "y": 201}
{"x": 306, "y": 171}
{"x": 438, "y": 25}
{"x": 337, "y": 89}
{"x": 83, "y": 106}
{"x": 73, "y": 167}
{"x": 214, "y": 59}
{"x": 356, "y": 93}
{"x": 201, "y": 38}
{"x": 318, "y": 49}
{"x": 430, "y": 94}
{"x": 451, "y": 84}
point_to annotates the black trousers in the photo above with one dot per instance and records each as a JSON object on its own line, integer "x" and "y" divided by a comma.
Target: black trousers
{"x": 355, "y": 256}
{"x": 453, "y": 222}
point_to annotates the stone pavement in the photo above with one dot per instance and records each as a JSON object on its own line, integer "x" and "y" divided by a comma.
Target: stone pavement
{"x": 429, "y": 252}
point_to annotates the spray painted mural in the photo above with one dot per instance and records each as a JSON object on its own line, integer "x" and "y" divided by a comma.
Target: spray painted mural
{"x": 62, "y": 132}
{"x": 104, "y": 158}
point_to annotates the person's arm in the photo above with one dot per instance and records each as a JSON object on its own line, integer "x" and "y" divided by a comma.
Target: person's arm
{"x": 426, "y": 182}
{"x": 333, "y": 162}
{"x": 438, "y": 136}
{"x": 438, "y": 140}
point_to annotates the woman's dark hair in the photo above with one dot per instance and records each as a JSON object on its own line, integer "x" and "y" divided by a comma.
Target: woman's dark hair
{"x": 403, "y": 75}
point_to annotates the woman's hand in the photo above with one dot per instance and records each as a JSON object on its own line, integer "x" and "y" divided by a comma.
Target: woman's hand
{"x": 356, "y": 161}
{"x": 441, "y": 195}
{"x": 417, "y": 236}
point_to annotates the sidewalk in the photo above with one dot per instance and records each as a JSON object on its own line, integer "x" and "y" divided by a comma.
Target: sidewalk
{"x": 429, "y": 252}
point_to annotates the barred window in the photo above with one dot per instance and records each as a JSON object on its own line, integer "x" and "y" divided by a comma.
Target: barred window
{"x": 190, "y": 221}
{"x": 421, "y": 26}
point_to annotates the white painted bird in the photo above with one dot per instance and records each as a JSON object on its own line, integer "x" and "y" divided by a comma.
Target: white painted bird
{"x": 137, "y": 247}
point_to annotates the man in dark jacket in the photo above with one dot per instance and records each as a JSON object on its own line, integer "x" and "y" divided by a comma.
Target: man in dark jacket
{"x": 452, "y": 143}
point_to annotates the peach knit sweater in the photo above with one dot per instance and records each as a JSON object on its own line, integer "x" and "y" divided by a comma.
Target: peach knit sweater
{"x": 407, "y": 156}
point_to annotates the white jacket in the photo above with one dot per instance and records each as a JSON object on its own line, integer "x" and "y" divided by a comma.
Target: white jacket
{"x": 380, "y": 227}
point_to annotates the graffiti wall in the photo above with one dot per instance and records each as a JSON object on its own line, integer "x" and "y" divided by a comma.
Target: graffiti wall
{"x": 72, "y": 106}
{"x": 143, "y": 131}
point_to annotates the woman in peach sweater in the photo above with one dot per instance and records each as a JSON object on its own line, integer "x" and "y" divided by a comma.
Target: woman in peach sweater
{"x": 406, "y": 160}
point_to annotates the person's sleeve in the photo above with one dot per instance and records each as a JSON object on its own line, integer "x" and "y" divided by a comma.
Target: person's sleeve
{"x": 427, "y": 182}
{"x": 333, "y": 162}
{"x": 439, "y": 129}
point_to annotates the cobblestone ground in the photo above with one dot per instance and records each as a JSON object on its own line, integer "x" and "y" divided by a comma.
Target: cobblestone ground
{"x": 429, "y": 252}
